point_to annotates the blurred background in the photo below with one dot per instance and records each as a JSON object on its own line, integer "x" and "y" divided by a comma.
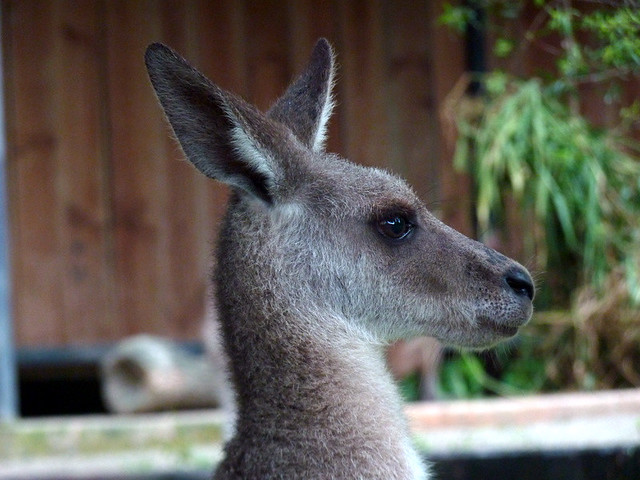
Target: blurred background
{"x": 110, "y": 231}
{"x": 517, "y": 123}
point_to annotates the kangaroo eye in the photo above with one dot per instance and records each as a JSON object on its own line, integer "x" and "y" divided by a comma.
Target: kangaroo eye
{"x": 395, "y": 228}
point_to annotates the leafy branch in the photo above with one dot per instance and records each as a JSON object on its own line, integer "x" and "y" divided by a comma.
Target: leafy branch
{"x": 526, "y": 139}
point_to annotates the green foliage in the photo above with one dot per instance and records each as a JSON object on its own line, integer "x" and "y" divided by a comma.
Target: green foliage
{"x": 575, "y": 185}
{"x": 503, "y": 47}
{"x": 617, "y": 31}
{"x": 527, "y": 141}
{"x": 594, "y": 345}
{"x": 410, "y": 387}
{"x": 461, "y": 377}
{"x": 580, "y": 184}
{"x": 518, "y": 372}
{"x": 611, "y": 47}
{"x": 456, "y": 17}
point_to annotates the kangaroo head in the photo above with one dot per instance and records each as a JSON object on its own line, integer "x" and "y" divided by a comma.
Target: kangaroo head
{"x": 314, "y": 233}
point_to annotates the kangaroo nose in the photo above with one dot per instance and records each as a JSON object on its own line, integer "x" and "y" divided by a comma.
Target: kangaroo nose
{"x": 519, "y": 280}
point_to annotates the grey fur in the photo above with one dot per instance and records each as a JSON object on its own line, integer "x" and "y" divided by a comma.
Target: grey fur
{"x": 311, "y": 288}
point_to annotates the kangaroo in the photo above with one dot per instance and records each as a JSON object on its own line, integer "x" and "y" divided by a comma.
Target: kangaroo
{"x": 320, "y": 264}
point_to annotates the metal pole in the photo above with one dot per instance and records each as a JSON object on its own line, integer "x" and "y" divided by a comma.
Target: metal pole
{"x": 8, "y": 381}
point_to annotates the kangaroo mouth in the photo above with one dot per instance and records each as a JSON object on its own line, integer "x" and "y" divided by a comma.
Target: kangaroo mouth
{"x": 501, "y": 330}
{"x": 485, "y": 333}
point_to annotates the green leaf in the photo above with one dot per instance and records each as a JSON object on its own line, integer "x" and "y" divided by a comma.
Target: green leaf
{"x": 503, "y": 47}
{"x": 456, "y": 17}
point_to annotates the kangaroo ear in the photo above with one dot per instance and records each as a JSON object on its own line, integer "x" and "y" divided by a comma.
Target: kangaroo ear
{"x": 223, "y": 136}
{"x": 307, "y": 104}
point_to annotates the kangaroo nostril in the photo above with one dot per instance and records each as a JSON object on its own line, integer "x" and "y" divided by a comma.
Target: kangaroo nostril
{"x": 520, "y": 282}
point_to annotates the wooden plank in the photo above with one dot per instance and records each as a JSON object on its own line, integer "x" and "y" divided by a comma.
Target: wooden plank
{"x": 34, "y": 208}
{"x": 184, "y": 188}
{"x": 220, "y": 51}
{"x": 308, "y": 21}
{"x": 82, "y": 187}
{"x": 412, "y": 111}
{"x": 138, "y": 169}
{"x": 363, "y": 86}
{"x": 220, "y": 37}
{"x": 267, "y": 45}
{"x": 448, "y": 54}
{"x": 220, "y": 44}
{"x": 631, "y": 95}
{"x": 117, "y": 239}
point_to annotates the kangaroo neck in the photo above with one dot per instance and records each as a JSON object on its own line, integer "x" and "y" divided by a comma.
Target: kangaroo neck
{"x": 321, "y": 402}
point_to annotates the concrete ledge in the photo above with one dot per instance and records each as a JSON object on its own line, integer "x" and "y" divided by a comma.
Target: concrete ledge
{"x": 115, "y": 446}
{"x": 573, "y": 421}
{"x": 522, "y": 410}
{"x": 104, "y": 445}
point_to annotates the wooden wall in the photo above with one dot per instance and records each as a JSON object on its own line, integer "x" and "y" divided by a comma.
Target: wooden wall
{"x": 110, "y": 231}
